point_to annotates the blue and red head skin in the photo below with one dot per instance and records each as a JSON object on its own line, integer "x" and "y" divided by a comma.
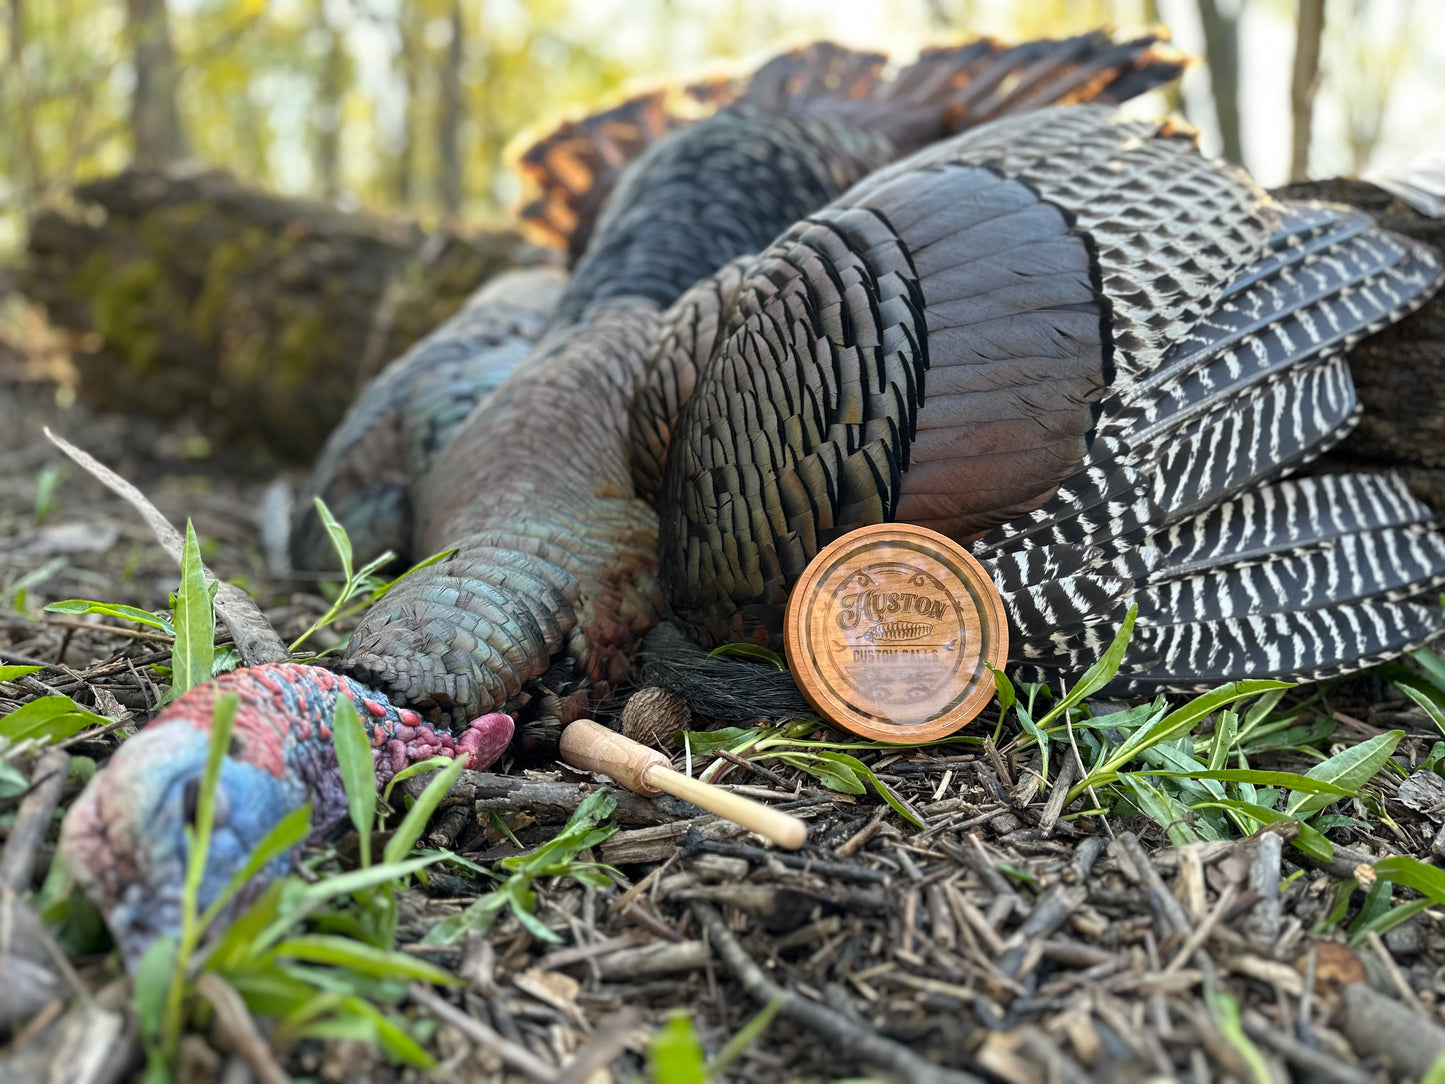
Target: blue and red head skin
{"x": 124, "y": 839}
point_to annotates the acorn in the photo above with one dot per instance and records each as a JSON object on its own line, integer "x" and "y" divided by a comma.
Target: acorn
{"x": 653, "y": 715}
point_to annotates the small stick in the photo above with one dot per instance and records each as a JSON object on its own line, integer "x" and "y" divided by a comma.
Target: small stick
{"x": 591, "y": 747}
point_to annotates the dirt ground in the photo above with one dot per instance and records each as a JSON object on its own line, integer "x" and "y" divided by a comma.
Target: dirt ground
{"x": 1006, "y": 940}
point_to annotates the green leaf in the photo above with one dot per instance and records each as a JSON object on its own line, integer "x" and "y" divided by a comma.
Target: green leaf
{"x": 753, "y": 653}
{"x": 1383, "y": 923}
{"x": 1290, "y": 780}
{"x": 550, "y": 859}
{"x": 702, "y": 742}
{"x": 1376, "y": 905}
{"x": 431, "y": 764}
{"x": 1163, "y": 810}
{"x": 902, "y": 808}
{"x": 195, "y": 645}
{"x": 1226, "y": 729}
{"x": 1426, "y": 879}
{"x": 49, "y": 719}
{"x": 1004, "y": 690}
{"x": 1309, "y": 840}
{"x": 361, "y": 958}
{"x": 1101, "y": 673}
{"x": 10, "y": 673}
{"x": 337, "y": 533}
{"x": 1423, "y": 692}
{"x": 1432, "y": 664}
{"x": 358, "y": 771}
{"x": 415, "y": 821}
{"x": 1224, "y": 1010}
{"x": 675, "y": 1055}
{"x": 113, "y": 609}
{"x": 839, "y": 777}
{"x": 385, "y": 589}
{"x": 1349, "y": 769}
{"x": 151, "y": 983}
{"x": 307, "y": 898}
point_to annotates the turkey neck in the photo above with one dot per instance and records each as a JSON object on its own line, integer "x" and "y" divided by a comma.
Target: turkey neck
{"x": 555, "y": 553}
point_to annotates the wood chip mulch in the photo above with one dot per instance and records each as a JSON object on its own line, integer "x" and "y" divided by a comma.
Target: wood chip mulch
{"x": 1004, "y": 941}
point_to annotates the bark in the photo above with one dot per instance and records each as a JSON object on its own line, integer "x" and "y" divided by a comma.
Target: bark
{"x": 155, "y": 121}
{"x": 449, "y": 121}
{"x": 249, "y": 313}
{"x": 1399, "y": 373}
{"x": 1221, "y": 53}
{"x": 1304, "y": 81}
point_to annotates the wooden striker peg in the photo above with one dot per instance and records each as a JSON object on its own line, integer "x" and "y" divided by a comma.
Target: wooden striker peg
{"x": 590, "y": 746}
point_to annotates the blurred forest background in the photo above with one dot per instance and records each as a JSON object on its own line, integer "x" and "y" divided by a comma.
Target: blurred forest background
{"x": 409, "y": 105}
{"x": 231, "y": 213}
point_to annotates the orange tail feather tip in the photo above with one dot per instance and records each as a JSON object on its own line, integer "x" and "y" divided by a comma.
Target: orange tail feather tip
{"x": 570, "y": 172}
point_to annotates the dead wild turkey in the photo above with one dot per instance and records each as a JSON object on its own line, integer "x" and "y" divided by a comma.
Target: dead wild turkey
{"x": 1064, "y": 338}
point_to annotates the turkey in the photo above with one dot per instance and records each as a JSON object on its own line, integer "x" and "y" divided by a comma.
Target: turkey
{"x": 554, "y": 578}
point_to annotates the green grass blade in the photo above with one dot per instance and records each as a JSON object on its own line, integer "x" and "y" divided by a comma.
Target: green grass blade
{"x": 112, "y": 609}
{"x": 195, "y": 630}
{"x": 361, "y": 958}
{"x": 415, "y": 821}
{"x": 753, "y": 653}
{"x": 1349, "y": 769}
{"x": 431, "y": 764}
{"x": 1288, "y": 780}
{"x": 1387, "y": 921}
{"x": 675, "y": 1054}
{"x": 1432, "y": 664}
{"x": 287, "y": 833}
{"x": 337, "y": 533}
{"x": 884, "y": 791}
{"x": 1425, "y": 879}
{"x": 1100, "y": 674}
{"x": 750, "y": 1033}
{"x": 358, "y": 772}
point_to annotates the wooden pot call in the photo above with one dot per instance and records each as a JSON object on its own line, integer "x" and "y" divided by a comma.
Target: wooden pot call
{"x": 591, "y": 747}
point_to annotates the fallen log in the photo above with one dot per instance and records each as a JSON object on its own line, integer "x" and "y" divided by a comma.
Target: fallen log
{"x": 258, "y": 316}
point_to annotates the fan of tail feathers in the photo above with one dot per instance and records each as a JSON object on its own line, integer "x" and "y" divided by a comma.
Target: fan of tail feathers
{"x": 570, "y": 172}
{"x": 1078, "y": 346}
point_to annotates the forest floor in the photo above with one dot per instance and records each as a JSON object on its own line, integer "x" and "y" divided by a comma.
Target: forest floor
{"x": 1006, "y": 935}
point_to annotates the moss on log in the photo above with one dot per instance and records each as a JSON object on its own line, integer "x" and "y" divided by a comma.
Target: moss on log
{"x": 259, "y": 316}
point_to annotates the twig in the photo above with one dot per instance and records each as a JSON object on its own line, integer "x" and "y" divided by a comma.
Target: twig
{"x": 240, "y": 1026}
{"x": 32, "y": 821}
{"x": 1402, "y": 985}
{"x": 113, "y": 630}
{"x": 515, "y": 1055}
{"x": 1204, "y": 930}
{"x": 1084, "y": 773}
{"x": 849, "y": 1036}
{"x": 255, "y": 639}
{"x": 1314, "y": 1062}
{"x": 607, "y": 1042}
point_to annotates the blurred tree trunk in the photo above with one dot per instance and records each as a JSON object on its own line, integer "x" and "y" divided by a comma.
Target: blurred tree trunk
{"x": 328, "y": 114}
{"x": 24, "y": 155}
{"x": 1304, "y": 81}
{"x": 155, "y": 122}
{"x": 193, "y": 295}
{"x": 1221, "y": 52}
{"x": 404, "y": 177}
{"x": 449, "y": 122}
